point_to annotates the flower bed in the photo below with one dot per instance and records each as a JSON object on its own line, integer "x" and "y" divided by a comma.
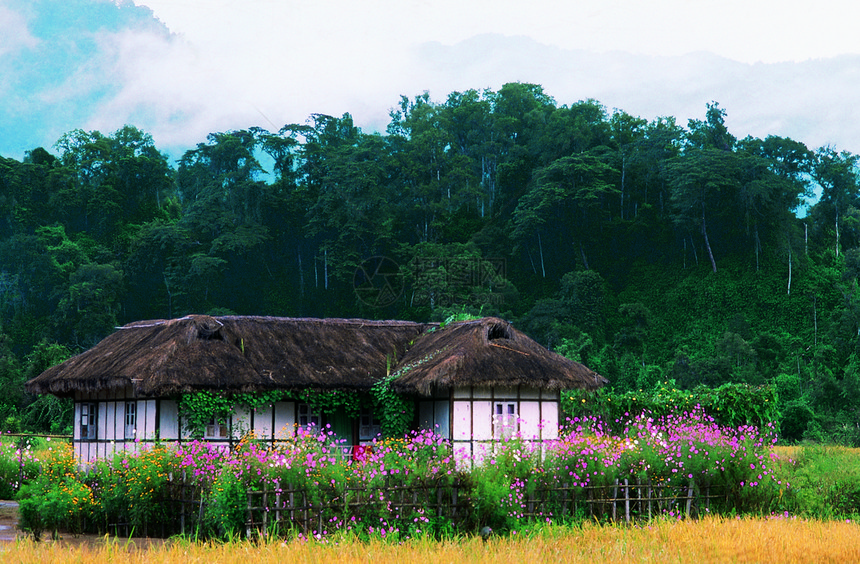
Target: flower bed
{"x": 684, "y": 463}
{"x": 19, "y": 461}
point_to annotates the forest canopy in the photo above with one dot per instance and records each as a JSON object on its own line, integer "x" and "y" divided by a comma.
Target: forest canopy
{"x": 654, "y": 252}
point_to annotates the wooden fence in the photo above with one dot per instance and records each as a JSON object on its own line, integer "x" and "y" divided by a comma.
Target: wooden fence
{"x": 309, "y": 512}
{"x": 624, "y": 500}
{"x": 289, "y": 508}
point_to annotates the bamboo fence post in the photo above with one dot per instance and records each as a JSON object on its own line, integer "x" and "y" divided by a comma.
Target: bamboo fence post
{"x": 649, "y": 499}
{"x": 590, "y": 500}
{"x": 689, "y": 497}
{"x": 277, "y": 505}
{"x": 614, "y": 500}
{"x": 250, "y": 517}
{"x": 181, "y": 502}
{"x": 564, "y": 492}
{"x": 265, "y": 510}
{"x": 626, "y": 502}
{"x": 292, "y": 502}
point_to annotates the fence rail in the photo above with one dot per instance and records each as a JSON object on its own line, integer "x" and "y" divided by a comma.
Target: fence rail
{"x": 287, "y": 507}
{"x": 623, "y": 500}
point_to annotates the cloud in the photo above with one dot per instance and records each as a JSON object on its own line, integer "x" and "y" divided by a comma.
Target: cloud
{"x": 100, "y": 65}
{"x": 14, "y": 33}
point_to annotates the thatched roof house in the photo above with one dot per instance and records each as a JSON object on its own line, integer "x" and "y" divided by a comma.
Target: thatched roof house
{"x": 241, "y": 354}
{"x": 475, "y": 381}
{"x": 487, "y": 352}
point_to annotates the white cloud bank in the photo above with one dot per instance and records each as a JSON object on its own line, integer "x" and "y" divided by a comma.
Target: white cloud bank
{"x": 228, "y": 64}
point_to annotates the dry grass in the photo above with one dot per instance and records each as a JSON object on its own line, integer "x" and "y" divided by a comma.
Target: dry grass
{"x": 711, "y": 540}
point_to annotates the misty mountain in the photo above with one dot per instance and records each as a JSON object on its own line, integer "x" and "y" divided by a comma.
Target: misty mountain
{"x": 99, "y": 65}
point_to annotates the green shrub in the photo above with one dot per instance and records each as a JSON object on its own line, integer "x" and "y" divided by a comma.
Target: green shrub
{"x": 226, "y": 510}
{"x": 731, "y": 405}
{"x": 825, "y": 482}
{"x": 57, "y": 499}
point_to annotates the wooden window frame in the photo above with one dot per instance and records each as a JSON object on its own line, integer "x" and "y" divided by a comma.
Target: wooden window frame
{"x": 216, "y": 429}
{"x": 505, "y": 419}
{"x": 307, "y": 418}
{"x": 130, "y": 432}
{"x": 89, "y": 421}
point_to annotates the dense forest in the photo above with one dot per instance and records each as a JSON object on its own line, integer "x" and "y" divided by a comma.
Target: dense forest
{"x": 651, "y": 251}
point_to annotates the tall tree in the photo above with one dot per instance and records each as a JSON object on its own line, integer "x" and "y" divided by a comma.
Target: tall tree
{"x": 117, "y": 180}
{"x": 704, "y": 181}
{"x": 836, "y": 175}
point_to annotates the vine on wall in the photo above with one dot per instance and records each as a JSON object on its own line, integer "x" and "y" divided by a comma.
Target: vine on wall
{"x": 395, "y": 412}
{"x": 197, "y": 409}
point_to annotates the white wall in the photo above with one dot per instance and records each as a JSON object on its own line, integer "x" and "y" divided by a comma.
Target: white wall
{"x": 473, "y": 417}
{"x": 466, "y": 417}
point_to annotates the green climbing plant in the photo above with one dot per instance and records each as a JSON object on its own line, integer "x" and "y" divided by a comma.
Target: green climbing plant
{"x": 396, "y": 412}
{"x": 197, "y": 409}
{"x": 331, "y": 401}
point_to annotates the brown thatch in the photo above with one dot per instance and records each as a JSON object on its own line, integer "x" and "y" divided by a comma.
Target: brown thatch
{"x": 487, "y": 352}
{"x": 242, "y": 354}
{"x": 239, "y": 354}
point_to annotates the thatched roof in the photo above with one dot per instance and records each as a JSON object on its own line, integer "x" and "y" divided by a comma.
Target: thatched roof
{"x": 198, "y": 352}
{"x": 241, "y": 354}
{"x": 487, "y": 352}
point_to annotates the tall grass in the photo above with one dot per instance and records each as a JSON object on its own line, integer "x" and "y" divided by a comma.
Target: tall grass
{"x": 825, "y": 480}
{"x": 709, "y": 540}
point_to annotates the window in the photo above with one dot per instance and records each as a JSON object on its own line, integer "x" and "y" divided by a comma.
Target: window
{"x": 130, "y": 419}
{"x": 369, "y": 426}
{"x": 216, "y": 429}
{"x": 505, "y": 420}
{"x": 307, "y": 417}
{"x": 89, "y": 423}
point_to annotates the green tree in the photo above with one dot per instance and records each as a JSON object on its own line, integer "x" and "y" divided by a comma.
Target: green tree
{"x": 573, "y": 195}
{"x": 836, "y": 175}
{"x": 705, "y": 183}
{"x": 46, "y": 413}
{"x": 115, "y": 181}
{"x": 92, "y": 304}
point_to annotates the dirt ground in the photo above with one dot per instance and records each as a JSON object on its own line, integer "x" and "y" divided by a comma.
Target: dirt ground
{"x": 8, "y": 520}
{"x": 9, "y": 532}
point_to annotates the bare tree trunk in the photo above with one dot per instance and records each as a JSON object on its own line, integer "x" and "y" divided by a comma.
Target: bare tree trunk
{"x": 815, "y": 321}
{"x": 789, "y": 268}
{"x": 707, "y": 243}
{"x": 837, "y": 231}
{"x": 623, "y": 174}
{"x": 169, "y": 297}
{"x": 695, "y": 252}
{"x": 301, "y": 277}
{"x": 531, "y": 259}
{"x": 757, "y": 248}
{"x": 540, "y": 247}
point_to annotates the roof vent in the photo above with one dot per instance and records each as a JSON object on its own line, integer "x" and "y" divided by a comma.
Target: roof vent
{"x": 209, "y": 328}
{"x": 499, "y": 331}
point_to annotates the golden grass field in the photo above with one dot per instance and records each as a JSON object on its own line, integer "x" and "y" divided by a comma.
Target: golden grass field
{"x": 710, "y": 540}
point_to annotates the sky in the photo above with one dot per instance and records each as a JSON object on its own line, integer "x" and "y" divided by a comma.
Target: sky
{"x": 181, "y": 69}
